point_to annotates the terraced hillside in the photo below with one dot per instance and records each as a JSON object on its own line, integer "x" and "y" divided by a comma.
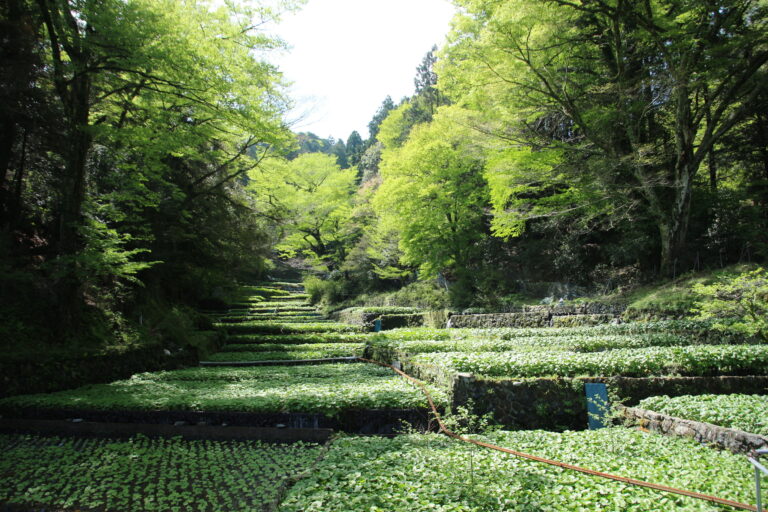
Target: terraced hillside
{"x": 287, "y": 373}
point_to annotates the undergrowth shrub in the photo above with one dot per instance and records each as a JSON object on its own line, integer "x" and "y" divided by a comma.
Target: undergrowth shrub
{"x": 736, "y": 302}
{"x": 324, "y": 291}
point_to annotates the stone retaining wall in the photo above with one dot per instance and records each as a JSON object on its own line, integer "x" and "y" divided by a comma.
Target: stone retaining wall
{"x": 560, "y": 403}
{"x": 360, "y": 421}
{"x": 356, "y": 316}
{"x": 365, "y": 319}
{"x": 557, "y": 315}
{"x": 581, "y": 320}
{"x": 487, "y": 321}
{"x": 737, "y": 441}
{"x": 403, "y": 320}
{"x": 582, "y": 308}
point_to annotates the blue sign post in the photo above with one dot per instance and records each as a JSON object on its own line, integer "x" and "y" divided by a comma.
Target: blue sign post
{"x": 598, "y": 406}
{"x": 377, "y": 325}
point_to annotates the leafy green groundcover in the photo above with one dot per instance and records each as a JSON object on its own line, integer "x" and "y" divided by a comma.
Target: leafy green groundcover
{"x": 248, "y": 340}
{"x": 146, "y": 474}
{"x": 327, "y": 389}
{"x": 701, "y": 360}
{"x": 418, "y": 473}
{"x": 307, "y": 319}
{"x": 282, "y": 303}
{"x": 270, "y": 315}
{"x": 386, "y": 310}
{"x": 272, "y": 352}
{"x": 574, "y": 343}
{"x": 744, "y": 412}
{"x": 286, "y": 327}
{"x": 692, "y": 329}
{"x": 292, "y": 306}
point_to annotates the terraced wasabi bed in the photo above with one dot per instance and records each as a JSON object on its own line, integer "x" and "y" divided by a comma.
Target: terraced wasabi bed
{"x": 290, "y": 352}
{"x": 327, "y": 389}
{"x": 421, "y": 473}
{"x": 700, "y": 360}
{"x": 146, "y": 474}
{"x": 743, "y": 412}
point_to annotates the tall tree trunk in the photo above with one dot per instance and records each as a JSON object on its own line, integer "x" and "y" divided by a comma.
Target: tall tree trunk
{"x": 673, "y": 231}
{"x": 69, "y": 288}
{"x": 7, "y": 138}
{"x": 14, "y": 203}
{"x": 674, "y": 228}
{"x": 73, "y": 183}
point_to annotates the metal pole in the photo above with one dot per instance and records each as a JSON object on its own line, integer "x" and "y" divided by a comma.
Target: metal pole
{"x": 760, "y": 470}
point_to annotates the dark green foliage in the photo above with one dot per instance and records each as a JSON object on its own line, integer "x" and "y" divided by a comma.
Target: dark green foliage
{"x": 146, "y": 474}
{"x": 373, "y": 126}
{"x": 355, "y": 147}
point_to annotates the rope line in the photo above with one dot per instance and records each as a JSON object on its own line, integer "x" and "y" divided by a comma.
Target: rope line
{"x": 564, "y": 465}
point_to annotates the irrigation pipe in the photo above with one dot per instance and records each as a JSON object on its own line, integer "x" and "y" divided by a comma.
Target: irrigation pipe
{"x": 564, "y": 465}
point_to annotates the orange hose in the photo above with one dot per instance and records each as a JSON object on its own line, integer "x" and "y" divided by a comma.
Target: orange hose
{"x": 564, "y": 465}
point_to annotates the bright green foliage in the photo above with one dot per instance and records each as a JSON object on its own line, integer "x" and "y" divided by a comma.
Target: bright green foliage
{"x": 433, "y": 194}
{"x": 395, "y": 128}
{"x": 738, "y": 303}
{"x": 138, "y": 122}
{"x": 743, "y": 412}
{"x": 526, "y": 185}
{"x": 584, "y": 80}
{"x": 421, "y": 473}
{"x": 327, "y": 389}
{"x": 146, "y": 474}
{"x": 312, "y": 197}
{"x": 697, "y": 361}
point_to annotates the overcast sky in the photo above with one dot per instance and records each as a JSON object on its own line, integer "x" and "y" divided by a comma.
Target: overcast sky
{"x": 348, "y": 55}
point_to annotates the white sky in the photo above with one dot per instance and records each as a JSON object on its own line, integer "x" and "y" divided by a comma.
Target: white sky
{"x": 348, "y": 55}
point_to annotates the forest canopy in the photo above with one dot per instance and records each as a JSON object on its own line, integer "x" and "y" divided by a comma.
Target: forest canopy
{"x": 147, "y": 165}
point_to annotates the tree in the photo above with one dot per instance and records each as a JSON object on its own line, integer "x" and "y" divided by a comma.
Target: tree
{"x": 427, "y": 97}
{"x": 340, "y": 150}
{"x": 433, "y": 195}
{"x": 636, "y": 93}
{"x": 355, "y": 148}
{"x": 311, "y": 197}
{"x": 156, "y": 104}
{"x": 378, "y": 117}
